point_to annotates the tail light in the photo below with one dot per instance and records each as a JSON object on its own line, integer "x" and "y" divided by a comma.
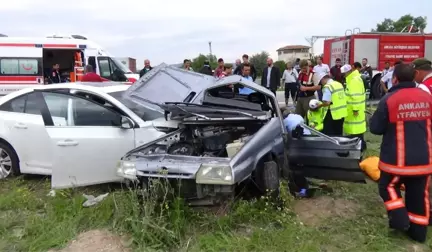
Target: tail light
{"x": 133, "y": 80}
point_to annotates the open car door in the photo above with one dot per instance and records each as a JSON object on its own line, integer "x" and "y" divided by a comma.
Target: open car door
{"x": 328, "y": 158}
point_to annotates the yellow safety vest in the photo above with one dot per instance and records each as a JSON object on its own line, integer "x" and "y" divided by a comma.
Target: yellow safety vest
{"x": 316, "y": 118}
{"x": 338, "y": 108}
{"x": 356, "y": 101}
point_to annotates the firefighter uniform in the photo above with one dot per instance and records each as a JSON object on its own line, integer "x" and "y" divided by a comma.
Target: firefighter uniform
{"x": 315, "y": 115}
{"x": 355, "y": 121}
{"x": 404, "y": 118}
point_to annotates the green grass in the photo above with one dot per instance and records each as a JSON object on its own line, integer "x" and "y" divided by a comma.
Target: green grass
{"x": 352, "y": 218}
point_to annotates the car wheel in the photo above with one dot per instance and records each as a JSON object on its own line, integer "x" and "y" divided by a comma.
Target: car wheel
{"x": 271, "y": 177}
{"x": 9, "y": 164}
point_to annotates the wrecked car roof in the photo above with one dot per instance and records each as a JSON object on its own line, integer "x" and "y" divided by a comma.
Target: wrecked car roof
{"x": 166, "y": 83}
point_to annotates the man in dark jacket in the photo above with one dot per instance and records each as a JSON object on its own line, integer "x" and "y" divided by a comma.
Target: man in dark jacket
{"x": 239, "y": 69}
{"x": 271, "y": 77}
{"x": 404, "y": 118}
{"x": 335, "y": 71}
{"x": 366, "y": 68}
{"x": 146, "y": 68}
{"x": 206, "y": 69}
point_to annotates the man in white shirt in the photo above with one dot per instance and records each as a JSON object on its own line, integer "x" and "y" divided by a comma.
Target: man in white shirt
{"x": 387, "y": 78}
{"x": 321, "y": 68}
{"x": 290, "y": 77}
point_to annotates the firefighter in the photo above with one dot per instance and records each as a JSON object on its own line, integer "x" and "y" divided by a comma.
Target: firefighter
{"x": 423, "y": 69}
{"x": 404, "y": 119}
{"x": 334, "y": 102}
{"x": 315, "y": 115}
{"x": 355, "y": 121}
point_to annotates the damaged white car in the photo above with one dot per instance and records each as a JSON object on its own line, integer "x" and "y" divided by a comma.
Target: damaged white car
{"x": 225, "y": 139}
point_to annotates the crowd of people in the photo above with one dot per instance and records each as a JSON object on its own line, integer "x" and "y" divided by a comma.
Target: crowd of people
{"x": 333, "y": 101}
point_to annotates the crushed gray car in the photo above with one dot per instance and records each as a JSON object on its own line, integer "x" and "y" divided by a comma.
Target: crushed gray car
{"x": 225, "y": 139}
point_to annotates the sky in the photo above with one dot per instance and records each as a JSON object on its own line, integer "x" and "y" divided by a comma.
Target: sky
{"x": 172, "y": 30}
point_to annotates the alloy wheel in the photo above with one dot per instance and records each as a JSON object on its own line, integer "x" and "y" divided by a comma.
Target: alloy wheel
{"x": 5, "y": 164}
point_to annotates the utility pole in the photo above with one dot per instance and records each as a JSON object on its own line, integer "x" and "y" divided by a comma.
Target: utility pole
{"x": 210, "y": 49}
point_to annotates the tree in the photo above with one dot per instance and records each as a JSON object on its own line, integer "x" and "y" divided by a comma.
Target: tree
{"x": 259, "y": 61}
{"x": 198, "y": 62}
{"x": 281, "y": 65}
{"x": 402, "y": 24}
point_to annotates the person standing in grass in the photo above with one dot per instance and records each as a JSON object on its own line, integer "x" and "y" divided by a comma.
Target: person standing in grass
{"x": 404, "y": 119}
{"x": 290, "y": 77}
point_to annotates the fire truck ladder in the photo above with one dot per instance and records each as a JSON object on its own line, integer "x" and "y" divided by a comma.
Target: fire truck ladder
{"x": 313, "y": 39}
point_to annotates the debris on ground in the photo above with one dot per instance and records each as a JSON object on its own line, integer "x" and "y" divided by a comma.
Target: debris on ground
{"x": 92, "y": 200}
{"x": 313, "y": 211}
{"x": 51, "y": 193}
{"x": 96, "y": 241}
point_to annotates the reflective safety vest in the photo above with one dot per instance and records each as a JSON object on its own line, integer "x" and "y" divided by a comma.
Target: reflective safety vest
{"x": 356, "y": 101}
{"x": 338, "y": 107}
{"x": 316, "y": 118}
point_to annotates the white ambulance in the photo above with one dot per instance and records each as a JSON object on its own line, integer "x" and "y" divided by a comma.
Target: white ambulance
{"x": 29, "y": 61}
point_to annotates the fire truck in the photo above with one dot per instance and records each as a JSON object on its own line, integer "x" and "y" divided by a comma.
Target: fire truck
{"x": 378, "y": 48}
{"x": 27, "y": 61}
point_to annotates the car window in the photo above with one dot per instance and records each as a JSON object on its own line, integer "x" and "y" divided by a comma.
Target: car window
{"x": 27, "y": 104}
{"x": 58, "y": 107}
{"x": 83, "y": 112}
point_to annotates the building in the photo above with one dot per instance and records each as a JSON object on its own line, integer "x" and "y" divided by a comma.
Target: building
{"x": 292, "y": 52}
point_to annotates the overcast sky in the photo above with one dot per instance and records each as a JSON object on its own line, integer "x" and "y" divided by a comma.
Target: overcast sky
{"x": 172, "y": 30}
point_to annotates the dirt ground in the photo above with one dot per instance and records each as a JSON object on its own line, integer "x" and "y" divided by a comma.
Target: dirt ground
{"x": 313, "y": 211}
{"x": 96, "y": 241}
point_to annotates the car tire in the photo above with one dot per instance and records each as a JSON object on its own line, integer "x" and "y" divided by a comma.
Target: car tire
{"x": 8, "y": 153}
{"x": 271, "y": 178}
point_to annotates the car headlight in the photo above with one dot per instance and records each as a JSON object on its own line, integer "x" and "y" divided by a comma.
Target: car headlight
{"x": 126, "y": 169}
{"x": 215, "y": 174}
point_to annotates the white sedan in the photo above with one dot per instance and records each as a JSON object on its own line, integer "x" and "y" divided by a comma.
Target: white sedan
{"x": 73, "y": 132}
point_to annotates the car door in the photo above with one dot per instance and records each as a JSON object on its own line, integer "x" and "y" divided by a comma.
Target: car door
{"x": 328, "y": 158}
{"x": 88, "y": 147}
{"x": 23, "y": 127}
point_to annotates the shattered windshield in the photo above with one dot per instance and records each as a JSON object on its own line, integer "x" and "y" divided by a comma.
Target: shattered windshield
{"x": 145, "y": 113}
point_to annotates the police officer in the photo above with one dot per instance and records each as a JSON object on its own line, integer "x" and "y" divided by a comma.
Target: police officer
{"x": 404, "y": 118}
{"x": 335, "y": 102}
{"x": 355, "y": 121}
{"x": 315, "y": 115}
{"x": 55, "y": 74}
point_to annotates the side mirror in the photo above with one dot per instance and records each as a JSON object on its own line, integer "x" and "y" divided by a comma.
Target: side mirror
{"x": 127, "y": 123}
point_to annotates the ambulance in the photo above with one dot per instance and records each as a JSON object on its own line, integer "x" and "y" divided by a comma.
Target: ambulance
{"x": 25, "y": 61}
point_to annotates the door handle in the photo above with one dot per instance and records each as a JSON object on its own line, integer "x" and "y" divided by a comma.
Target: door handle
{"x": 343, "y": 154}
{"x": 20, "y": 126}
{"x": 67, "y": 142}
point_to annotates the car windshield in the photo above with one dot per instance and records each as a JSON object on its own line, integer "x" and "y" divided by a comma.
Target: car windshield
{"x": 145, "y": 113}
{"x": 121, "y": 66}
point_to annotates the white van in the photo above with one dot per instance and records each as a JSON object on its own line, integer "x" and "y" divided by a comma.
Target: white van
{"x": 25, "y": 62}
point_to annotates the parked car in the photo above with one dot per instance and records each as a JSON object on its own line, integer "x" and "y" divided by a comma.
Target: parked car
{"x": 225, "y": 139}
{"x": 76, "y": 133}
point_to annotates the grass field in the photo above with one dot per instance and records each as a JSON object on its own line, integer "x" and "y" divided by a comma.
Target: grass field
{"x": 352, "y": 218}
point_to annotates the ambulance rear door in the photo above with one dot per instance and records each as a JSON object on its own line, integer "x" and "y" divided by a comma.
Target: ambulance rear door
{"x": 20, "y": 66}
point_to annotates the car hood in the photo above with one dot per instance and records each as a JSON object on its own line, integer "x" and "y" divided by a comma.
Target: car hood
{"x": 166, "y": 83}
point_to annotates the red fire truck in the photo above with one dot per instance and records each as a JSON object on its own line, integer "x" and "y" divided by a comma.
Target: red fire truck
{"x": 378, "y": 48}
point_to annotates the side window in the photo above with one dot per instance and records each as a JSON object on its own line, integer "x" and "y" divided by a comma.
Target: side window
{"x": 58, "y": 107}
{"x": 82, "y": 112}
{"x": 27, "y": 104}
{"x": 105, "y": 69}
{"x": 21, "y": 66}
